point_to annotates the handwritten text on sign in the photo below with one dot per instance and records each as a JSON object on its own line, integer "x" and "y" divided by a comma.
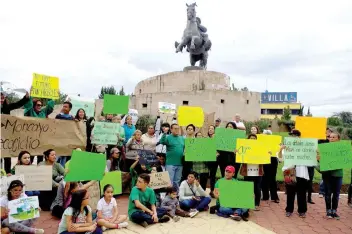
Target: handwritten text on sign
{"x": 147, "y": 157}
{"x": 159, "y": 180}
{"x": 252, "y": 152}
{"x": 37, "y": 177}
{"x": 37, "y": 135}
{"x": 300, "y": 151}
{"x": 105, "y": 133}
{"x": 335, "y": 155}
{"x": 45, "y": 86}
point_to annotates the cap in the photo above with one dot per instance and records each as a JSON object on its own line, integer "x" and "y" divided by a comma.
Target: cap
{"x": 230, "y": 168}
{"x": 218, "y": 120}
{"x": 295, "y": 132}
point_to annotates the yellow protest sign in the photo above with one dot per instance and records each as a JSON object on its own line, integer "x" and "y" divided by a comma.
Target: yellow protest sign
{"x": 190, "y": 115}
{"x": 311, "y": 127}
{"x": 252, "y": 152}
{"x": 45, "y": 86}
{"x": 271, "y": 141}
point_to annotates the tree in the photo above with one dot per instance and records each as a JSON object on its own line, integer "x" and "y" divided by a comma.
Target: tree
{"x": 234, "y": 88}
{"x": 122, "y": 91}
{"x": 309, "y": 114}
{"x": 345, "y": 116}
{"x": 12, "y": 97}
{"x": 300, "y": 113}
{"x": 62, "y": 98}
{"x": 335, "y": 121}
{"x": 107, "y": 90}
{"x": 287, "y": 114}
{"x": 245, "y": 89}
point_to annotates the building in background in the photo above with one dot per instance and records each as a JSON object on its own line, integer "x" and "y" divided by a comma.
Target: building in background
{"x": 273, "y": 103}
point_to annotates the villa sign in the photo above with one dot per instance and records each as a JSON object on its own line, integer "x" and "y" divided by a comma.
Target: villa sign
{"x": 281, "y": 97}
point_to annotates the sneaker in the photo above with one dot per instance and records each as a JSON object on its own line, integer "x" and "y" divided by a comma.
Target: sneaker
{"x": 193, "y": 213}
{"x": 276, "y": 201}
{"x": 104, "y": 228}
{"x": 144, "y": 224}
{"x": 236, "y": 217}
{"x": 164, "y": 219}
{"x": 206, "y": 208}
{"x": 212, "y": 194}
{"x": 321, "y": 195}
{"x": 123, "y": 225}
{"x": 176, "y": 218}
{"x": 329, "y": 215}
{"x": 311, "y": 202}
{"x": 39, "y": 231}
{"x": 257, "y": 208}
{"x": 244, "y": 218}
{"x": 302, "y": 215}
{"x": 212, "y": 210}
{"x": 336, "y": 216}
{"x": 288, "y": 214}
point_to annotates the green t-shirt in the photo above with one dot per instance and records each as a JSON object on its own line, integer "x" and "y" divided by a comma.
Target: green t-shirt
{"x": 175, "y": 146}
{"x": 147, "y": 198}
{"x": 217, "y": 186}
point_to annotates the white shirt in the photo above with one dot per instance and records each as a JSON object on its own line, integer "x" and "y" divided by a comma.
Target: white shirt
{"x": 301, "y": 171}
{"x": 240, "y": 124}
{"x": 4, "y": 202}
{"x": 185, "y": 191}
{"x": 149, "y": 141}
{"x": 107, "y": 209}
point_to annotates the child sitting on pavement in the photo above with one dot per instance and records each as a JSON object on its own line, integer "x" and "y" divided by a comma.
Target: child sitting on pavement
{"x": 171, "y": 204}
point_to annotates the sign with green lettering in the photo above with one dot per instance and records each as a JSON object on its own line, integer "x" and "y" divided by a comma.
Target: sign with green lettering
{"x": 200, "y": 149}
{"x": 300, "y": 151}
{"x": 335, "y": 155}
{"x": 226, "y": 138}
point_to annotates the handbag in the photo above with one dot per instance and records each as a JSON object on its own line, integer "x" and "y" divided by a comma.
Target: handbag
{"x": 290, "y": 176}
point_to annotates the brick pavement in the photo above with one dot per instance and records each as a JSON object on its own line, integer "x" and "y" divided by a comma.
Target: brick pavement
{"x": 271, "y": 217}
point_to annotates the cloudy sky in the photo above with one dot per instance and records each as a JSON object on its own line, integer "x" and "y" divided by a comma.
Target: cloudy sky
{"x": 302, "y": 46}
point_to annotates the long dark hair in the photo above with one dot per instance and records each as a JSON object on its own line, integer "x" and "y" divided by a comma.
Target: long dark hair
{"x": 77, "y": 114}
{"x": 233, "y": 125}
{"x": 167, "y": 125}
{"x": 13, "y": 184}
{"x": 47, "y": 153}
{"x": 20, "y": 157}
{"x": 76, "y": 203}
{"x": 214, "y": 130}
{"x": 115, "y": 162}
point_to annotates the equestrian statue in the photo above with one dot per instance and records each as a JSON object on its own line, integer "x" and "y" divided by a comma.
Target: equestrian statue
{"x": 195, "y": 39}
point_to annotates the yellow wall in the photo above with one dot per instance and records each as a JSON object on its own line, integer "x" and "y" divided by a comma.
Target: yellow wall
{"x": 293, "y": 117}
{"x": 280, "y": 105}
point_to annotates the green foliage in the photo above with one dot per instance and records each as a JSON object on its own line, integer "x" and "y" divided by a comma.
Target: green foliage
{"x": 301, "y": 111}
{"x": 345, "y": 116}
{"x": 144, "y": 121}
{"x": 244, "y": 89}
{"x": 287, "y": 114}
{"x": 340, "y": 129}
{"x": 62, "y": 98}
{"x": 234, "y": 88}
{"x": 122, "y": 91}
{"x": 262, "y": 124}
{"x": 309, "y": 114}
{"x": 349, "y": 133}
{"x": 335, "y": 121}
{"x": 12, "y": 97}
{"x": 107, "y": 90}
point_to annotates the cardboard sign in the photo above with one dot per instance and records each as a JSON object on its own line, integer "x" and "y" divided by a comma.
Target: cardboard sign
{"x": 311, "y": 127}
{"x": 300, "y": 151}
{"x": 200, "y": 149}
{"x": 44, "y": 86}
{"x": 335, "y": 155}
{"x": 86, "y": 166}
{"x": 23, "y": 209}
{"x": 37, "y": 177}
{"x": 94, "y": 196}
{"x": 273, "y": 142}
{"x": 167, "y": 108}
{"x": 190, "y": 115}
{"x": 160, "y": 180}
{"x": 5, "y": 183}
{"x": 116, "y": 104}
{"x": 252, "y": 152}
{"x": 147, "y": 157}
{"x": 236, "y": 194}
{"x": 105, "y": 133}
{"x": 115, "y": 179}
{"x": 36, "y": 135}
{"x": 226, "y": 138}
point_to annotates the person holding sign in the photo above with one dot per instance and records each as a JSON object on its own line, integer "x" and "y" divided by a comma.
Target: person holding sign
{"x": 296, "y": 180}
{"x": 141, "y": 205}
{"x": 134, "y": 144}
{"x": 234, "y": 213}
{"x": 15, "y": 191}
{"x": 138, "y": 168}
{"x": 77, "y": 218}
{"x": 332, "y": 184}
{"x": 201, "y": 168}
{"x": 187, "y": 165}
{"x": 192, "y": 196}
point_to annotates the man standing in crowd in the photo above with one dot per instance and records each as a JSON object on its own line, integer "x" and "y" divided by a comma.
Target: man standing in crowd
{"x": 268, "y": 131}
{"x": 64, "y": 115}
{"x": 217, "y": 122}
{"x": 323, "y": 141}
{"x": 6, "y": 108}
{"x": 175, "y": 145}
{"x": 240, "y": 125}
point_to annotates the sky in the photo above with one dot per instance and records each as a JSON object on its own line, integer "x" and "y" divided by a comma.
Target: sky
{"x": 280, "y": 46}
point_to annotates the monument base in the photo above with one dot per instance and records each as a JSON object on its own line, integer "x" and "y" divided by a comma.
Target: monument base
{"x": 192, "y": 68}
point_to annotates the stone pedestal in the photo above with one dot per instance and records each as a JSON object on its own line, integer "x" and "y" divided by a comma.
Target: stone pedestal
{"x": 192, "y": 68}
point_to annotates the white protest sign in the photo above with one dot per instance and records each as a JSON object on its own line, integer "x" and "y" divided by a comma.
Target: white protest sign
{"x": 23, "y": 209}
{"x": 5, "y": 182}
{"x": 168, "y": 108}
{"x": 159, "y": 180}
{"x": 134, "y": 114}
{"x": 37, "y": 177}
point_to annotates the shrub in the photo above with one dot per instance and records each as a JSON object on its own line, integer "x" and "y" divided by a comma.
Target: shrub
{"x": 349, "y": 133}
{"x": 335, "y": 121}
{"x": 144, "y": 121}
{"x": 262, "y": 124}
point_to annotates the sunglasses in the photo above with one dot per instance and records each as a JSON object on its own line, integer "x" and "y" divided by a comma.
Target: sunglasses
{"x": 39, "y": 105}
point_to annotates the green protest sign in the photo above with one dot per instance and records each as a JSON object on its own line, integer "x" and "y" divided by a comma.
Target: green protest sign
{"x": 236, "y": 194}
{"x": 300, "y": 151}
{"x": 226, "y": 138}
{"x": 116, "y": 104}
{"x": 105, "y": 133}
{"x": 200, "y": 149}
{"x": 113, "y": 178}
{"x": 88, "y": 107}
{"x": 335, "y": 155}
{"x": 86, "y": 166}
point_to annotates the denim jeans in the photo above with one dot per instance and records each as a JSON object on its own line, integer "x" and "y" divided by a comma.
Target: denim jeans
{"x": 140, "y": 216}
{"x": 224, "y": 211}
{"x": 321, "y": 187}
{"x": 257, "y": 181}
{"x": 63, "y": 160}
{"x": 32, "y": 193}
{"x": 349, "y": 199}
{"x": 332, "y": 186}
{"x": 191, "y": 204}
{"x": 175, "y": 173}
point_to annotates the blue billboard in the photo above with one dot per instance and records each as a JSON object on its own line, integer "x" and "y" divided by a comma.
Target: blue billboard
{"x": 279, "y": 97}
